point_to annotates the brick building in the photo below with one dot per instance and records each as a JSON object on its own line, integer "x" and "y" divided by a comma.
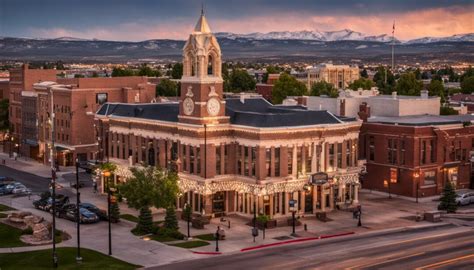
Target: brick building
{"x": 265, "y": 89}
{"x": 4, "y": 89}
{"x": 233, "y": 152}
{"x": 75, "y": 101}
{"x": 22, "y": 79}
{"x": 415, "y": 155}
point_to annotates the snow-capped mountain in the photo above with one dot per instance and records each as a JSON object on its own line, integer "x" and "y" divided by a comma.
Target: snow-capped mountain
{"x": 345, "y": 34}
{"x": 454, "y": 38}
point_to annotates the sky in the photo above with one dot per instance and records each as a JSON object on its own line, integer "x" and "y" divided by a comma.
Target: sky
{"x": 139, "y": 20}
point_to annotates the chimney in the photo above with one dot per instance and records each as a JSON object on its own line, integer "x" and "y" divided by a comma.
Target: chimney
{"x": 424, "y": 94}
{"x": 242, "y": 97}
{"x": 364, "y": 111}
{"x": 394, "y": 94}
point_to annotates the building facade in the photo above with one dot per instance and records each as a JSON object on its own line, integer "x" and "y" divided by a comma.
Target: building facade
{"x": 232, "y": 153}
{"x": 340, "y": 76}
{"x": 415, "y": 156}
{"x": 74, "y": 105}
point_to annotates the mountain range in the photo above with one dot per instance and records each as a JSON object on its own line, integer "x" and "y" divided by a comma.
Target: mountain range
{"x": 345, "y": 45}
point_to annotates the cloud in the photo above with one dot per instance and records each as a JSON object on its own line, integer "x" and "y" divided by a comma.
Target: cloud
{"x": 414, "y": 24}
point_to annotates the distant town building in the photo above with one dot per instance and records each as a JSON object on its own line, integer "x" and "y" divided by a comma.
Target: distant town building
{"x": 265, "y": 89}
{"x": 348, "y": 103}
{"x": 75, "y": 104}
{"x": 466, "y": 101}
{"x": 235, "y": 152}
{"x": 340, "y": 76}
{"x": 4, "y": 89}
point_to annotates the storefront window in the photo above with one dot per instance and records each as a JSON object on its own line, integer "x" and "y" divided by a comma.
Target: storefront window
{"x": 430, "y": 178}
{"x": 218, "y": 160}
{"x": 268, "y": 157}
{"x": 277, "y": 161}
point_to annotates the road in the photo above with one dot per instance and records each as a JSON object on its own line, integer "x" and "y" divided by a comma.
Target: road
{"x": 448, "y": 247}
{"x": 35, "y": 183}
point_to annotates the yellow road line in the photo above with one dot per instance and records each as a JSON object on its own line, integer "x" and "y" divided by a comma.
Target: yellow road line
{"x": 387, "y": 261}
{"x": 445, "y": 262}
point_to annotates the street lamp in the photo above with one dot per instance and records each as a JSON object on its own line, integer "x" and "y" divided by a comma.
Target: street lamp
{"x": 359, "y": 224}
{"x": 106, "y": 175}
{"x": 188, "y": 218}
{"x": 78, "y": 219}
{"x": 417, "y": 177}
{"x": 217, "y": 238}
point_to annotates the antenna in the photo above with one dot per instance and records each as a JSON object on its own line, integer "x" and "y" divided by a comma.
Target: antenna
{"x": 202, "y": 8}
{"x": 393, "y": 44}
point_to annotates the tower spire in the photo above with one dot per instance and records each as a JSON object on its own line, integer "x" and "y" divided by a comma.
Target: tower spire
{"x": 202, "y": 8}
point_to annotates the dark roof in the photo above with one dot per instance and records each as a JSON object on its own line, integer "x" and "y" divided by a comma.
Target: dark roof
{"x": 254, "y": 112}
{"x": 423, "y": 120}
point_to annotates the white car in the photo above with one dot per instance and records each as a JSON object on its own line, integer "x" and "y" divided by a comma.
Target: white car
{"x": 21, "y": 189}
{"x": 464, "y": 198}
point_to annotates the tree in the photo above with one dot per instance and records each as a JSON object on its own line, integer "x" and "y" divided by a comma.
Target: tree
{"x": 145, "y": 221}
{"x": 177, "y": 71}
{"x": 148, "y": 187}
{"x": 241, "y": 81}
{"x": 148, "y": 71}
{"x": 4, "y": 124}
{"x": 171, "y": 222}
{"x": 364, "y": 73}
{"x": 287, "y": 85}
{"x": 384, "y": 80}
{"x": 114, "y": 212}
{"x": 226, "y": 77}
{"x": 323, "y": 88}
{"x": 436, "y": 88}
{"x": 408, "y": 85}
{"x": 361, "y": 83}
{"x": 468, "y": 73}
{"x": 121, "y": 72}
{"x": 444, "y": 110}
{"x": 167, "y": 88}
{"x": 448, "y": 199}
{"x": 467, "y": 85}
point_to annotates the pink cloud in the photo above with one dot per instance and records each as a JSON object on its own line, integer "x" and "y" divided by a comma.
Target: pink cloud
{"x": 430, "y": 22}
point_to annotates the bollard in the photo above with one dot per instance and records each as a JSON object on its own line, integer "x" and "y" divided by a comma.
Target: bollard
{"x": 305, "y": 227}
{"x": 229, "y": 223}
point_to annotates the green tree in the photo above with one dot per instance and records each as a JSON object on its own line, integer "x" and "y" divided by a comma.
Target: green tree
{"x": 167, "y": 88}
{"x": 323, "y": 88}
{"x": 445, "y": 110}
{"x": 148, "y": 71}
{"x": 364, "y": 73}
{"x": 287, "y": 85}
{"x": 114, "y": 212}
{"x": 145, "y": 221}
{"x": 171, "y": 222}
{"x": 408, "y": 85}
{"x": 187, "y": 211}
{"x": 4, "y": 124}
{"x": 436, "y": 88}
{"x": 361, "y": 83}
{"x": 121, "y": 72}
{"x": 241, "y": 81}
{"x": 148, "y": 187}
{"x": 468, "y": 73}
{"x": 384, "y": 80}
{"x": 448, "y": 199}
{"x": 467, "y": 85}
{"x": 177, "y": 71}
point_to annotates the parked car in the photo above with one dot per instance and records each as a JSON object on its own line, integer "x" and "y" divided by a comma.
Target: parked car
{"x": 21, "y": 189}
{"x": 41, "y": 204}
{"x": 89, "y": 165}
{"x": 4, "y": 190}
{"x": 102, "y": 214}
{"x": 85, "y": 216}
{"x": 464, "y": 198}
{"x": 10, "y": 187}
{"x": 46, "y": 203}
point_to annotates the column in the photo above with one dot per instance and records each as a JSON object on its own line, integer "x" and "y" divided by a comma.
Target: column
{"x": 281, "y": 194}
{"x": 315, "y": 198}
{"x": 295, "y": 162}
{"x": 331, "y": 197}
{"x": 226, "y": 201}
{"x": 322, "y": 155}
{"x": 341, "y": 192}
{"x": 356, "y": 193}
{"x": 303, "y": 200}
{"x": 272, "y": 210}
{"x": 287, "y": 204}
{"x": 314, "y": 159}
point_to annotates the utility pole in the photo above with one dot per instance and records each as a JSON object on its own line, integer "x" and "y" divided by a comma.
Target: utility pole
{"x": 78, "y": 218}
{"x": 393, "y": 48}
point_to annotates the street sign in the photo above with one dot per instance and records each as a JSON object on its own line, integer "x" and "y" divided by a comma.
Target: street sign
{"x": 319, "y": 178}
{"x": 293, "y": 203}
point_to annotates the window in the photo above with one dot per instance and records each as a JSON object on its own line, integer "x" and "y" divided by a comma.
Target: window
{"x": 254, "y": 156}
{"x": 185, "y": 158}
{"x": 246, "y": 161}
{"x": 239, "y": 159}
{"x": 348, "y": 154}
{"x": 392, "y": 151}
{"x": 308, "y": 160}
{"x": 371, "y": 148}
{"x": 430, "y": 178}
{"x": 402, "y": 152}
{"x": 331, "y": 157}
{"x": 277, "y": 161}
{"x": 198, "y": 160}
{"x": 393, "y": 175}
{"x": 191, "y": 159}
{"x": 432, "y": 152}
{"x": 218, "y": 159}
{"x": 423, "y": 152}
{"x": 226, "y": 158}
{"x": 339, "y": 155}
{"x": 268, "y": 161}
{"x": 299, "y": 159}
{"x": 290, "y": 160}
{"x": 101, "y": 98}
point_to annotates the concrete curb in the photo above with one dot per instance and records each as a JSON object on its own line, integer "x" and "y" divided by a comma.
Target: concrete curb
{"x": 207, "y": 253}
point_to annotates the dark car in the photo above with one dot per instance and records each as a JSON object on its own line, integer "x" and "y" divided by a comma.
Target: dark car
{"x": 102, "y": 214}
{"x": 8, "y": 188}
{"x": 46, "y": 203}
{"x": 4, "y": 190}
{"x": 69, "y": 212}
{"x": 89, "y": 165}
{"x": 41, "y": 204}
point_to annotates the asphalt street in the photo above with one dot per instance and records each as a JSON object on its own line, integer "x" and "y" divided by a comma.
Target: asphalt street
{"x": 35, "y": 183}
{"x": 449, "y": 247}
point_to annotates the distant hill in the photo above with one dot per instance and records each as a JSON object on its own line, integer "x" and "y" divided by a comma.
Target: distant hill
{"x": 338, "y": 46}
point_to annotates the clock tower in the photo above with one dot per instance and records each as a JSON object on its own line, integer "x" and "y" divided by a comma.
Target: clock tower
{"x": 202, "y": 99}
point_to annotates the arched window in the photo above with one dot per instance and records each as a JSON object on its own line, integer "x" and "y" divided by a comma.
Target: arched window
{"x": 210, "y": 65}
{"x": 151, "y": 157}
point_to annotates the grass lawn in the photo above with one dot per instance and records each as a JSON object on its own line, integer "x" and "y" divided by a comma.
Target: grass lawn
{"x": 5, "y": 208}
{"x": 10, "y": 237}
{"x": 191, "y": 244}
{"x": 41, "y": 259}
{"x": 129, "y": 217}
{"x": 161, "y": 238}
{"x": 207, "y": 237}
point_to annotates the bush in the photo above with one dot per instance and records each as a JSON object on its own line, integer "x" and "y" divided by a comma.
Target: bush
{"x": 28, "y": 230}
{"x": 171, "y": 222}
{"x": 171, "y": 233}
{"x": 263, "y": 219}
{"x": 447, "y": 111}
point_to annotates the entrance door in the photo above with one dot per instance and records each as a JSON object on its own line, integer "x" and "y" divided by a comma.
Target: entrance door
{"x": 218, "y": 203}
{"x": 308, "y": 202}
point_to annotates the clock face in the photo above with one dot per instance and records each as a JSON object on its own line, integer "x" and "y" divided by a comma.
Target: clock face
{"x": 188, "y": 106}
{"x": 213, "y": 106}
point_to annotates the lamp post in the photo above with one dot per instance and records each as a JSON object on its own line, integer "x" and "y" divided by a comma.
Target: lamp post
{"x": 217, "y": 238}
{"x": 255, "y": 231}
{"x": 11, "y": 147}
{"x": 359, "y": 223}
{"x": 106, "y": 175}
{"x": 78, "y": 220}
{"x": 417, "y": 177}
{"x": 53, "y": 177}
{"x": 188, "y": 218}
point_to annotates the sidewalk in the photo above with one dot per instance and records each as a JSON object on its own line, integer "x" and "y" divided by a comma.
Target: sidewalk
{"x": 32, "y": 166}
